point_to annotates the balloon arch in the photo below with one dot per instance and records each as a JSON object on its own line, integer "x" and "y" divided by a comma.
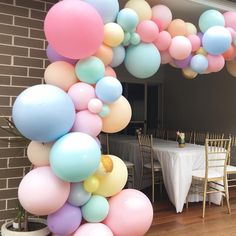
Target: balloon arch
{"x": 79, "y": 188}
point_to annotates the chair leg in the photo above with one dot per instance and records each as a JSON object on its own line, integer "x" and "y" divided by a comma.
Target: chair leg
{"x": 141, "y": 180}
{"x": 204, "y": 199}
{"x": 227, "y": 195}
{"x": 133, "y": 172}
{"x": 153, "y": 187}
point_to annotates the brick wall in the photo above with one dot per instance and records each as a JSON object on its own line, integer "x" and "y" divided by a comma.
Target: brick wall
{"x": 22, "y": 64}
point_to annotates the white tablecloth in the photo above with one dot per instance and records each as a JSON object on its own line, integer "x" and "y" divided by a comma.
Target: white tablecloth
{"x": 177, "y": 165}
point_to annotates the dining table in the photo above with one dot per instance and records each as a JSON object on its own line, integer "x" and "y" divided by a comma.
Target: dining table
{"x": 177, "y": 165}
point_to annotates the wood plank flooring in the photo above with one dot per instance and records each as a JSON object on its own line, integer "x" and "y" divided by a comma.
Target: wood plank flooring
{"x": 190, "y": 223}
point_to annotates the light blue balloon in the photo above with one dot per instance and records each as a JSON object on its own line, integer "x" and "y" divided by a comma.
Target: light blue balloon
{"x": 96, "y": 209}
{"x": 128, "y": 19}
{"x": 199, "y": 63}
{"x": 108, "y": 89}
{"x": 118, "y": 56}
{"x": 105, "y": 111}
{"x": 78, "y": 195}
{"x": 43, "y": 113}
{"x": 90, "y": 70}
{"x": 210, "y": 18}
{"x": 216, "y": 40}
{"x": 143, "y": 60}
{"x": 108, "y": 9}
{"x": 135, "y": 39}
{"x": 75, "y": 156}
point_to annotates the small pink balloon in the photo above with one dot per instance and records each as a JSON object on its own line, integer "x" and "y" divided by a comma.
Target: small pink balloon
{"x": 215, "y": 63}
{"x": 87, "y": 122}
{"x": 230, "y": 19}
{"x": 81, "y": 93}
{"x": 130, "y": 213}
{"x": 195, "y": 42}
{"x": 158, "y": 23}
{"x": 110, "y": 72}
{"x": 163, "y": 41}
{"x": 232, "y": 32}
{"x": 165, "y": 57}
{"x": 95, "y": 105}
{"x": 163, "y": 13}
{"x": 41, "y": 192}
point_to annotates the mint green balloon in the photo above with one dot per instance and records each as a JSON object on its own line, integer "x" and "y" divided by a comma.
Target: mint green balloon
{"x": 143, "y": 60}
{"x": 126, "y": 39}
{"x": 135, "y": 39}
{"x": 105, "y": 111}
{"x": 96, "y": 209}
{"x": 90, "y": 70}
{"x": 210, "y": 18}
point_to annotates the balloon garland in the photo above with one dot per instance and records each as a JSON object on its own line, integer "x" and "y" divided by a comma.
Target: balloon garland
{"x": 78, "y": 187}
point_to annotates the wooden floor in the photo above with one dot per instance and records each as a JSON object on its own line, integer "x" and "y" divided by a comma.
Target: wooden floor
{"x": 189, "y": 223}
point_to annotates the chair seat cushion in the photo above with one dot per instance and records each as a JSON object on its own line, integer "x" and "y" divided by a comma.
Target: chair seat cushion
{"x": 157, "y": 165}
{"x": 200, "y": 174}
{"x": 231, "y": 169}
{"x": 129, "y": 164}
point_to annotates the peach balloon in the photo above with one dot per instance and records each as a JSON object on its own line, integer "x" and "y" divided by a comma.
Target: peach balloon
{"x": 215, "y": 63}
{"x": 177, "y": 27}
{"x": 190, "y": 29}
{"x": 95, "y": 105}
{"x": 60, "y": 74}
{"x": 105, "y": 54}
{"x": 195, "y": 42}
{"x": 113, "y": 34}
{"x": 231, "y": 67}
{"x": 163, "y": 13}
{"x": 229, "y": 53}
{"x": 38, "y": 153}
{"x": 163, "y": 41}
{"x": 188, "y": 73}
{"x": 110, "y": 72}
{"x": 119, "y": 116}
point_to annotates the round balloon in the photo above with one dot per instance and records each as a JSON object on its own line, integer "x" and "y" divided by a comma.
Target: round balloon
{"x": 215, "y": 63}
{"x": 113, "y": 34}
{"x": 75, "y": 156}
{"x": 135, "y": 38}
{"x": 43, "y": 113}
{"x": 163, "y": 40}
{"x": 118, "y": 56}
{"x": 230, "y": 19}
{"x": 72, "y": 40}
{"x": 95, "y": 105}
{"x": 163, "y": 13}
{"x": 91, "y": 184}
{"x": 105, "y": 54}
{"x": 177, "y": 27}
{"x": 41, "y": 192}
{"x": 199, "y": 63}
{"x": 188, "y": 73}
{"x": 110, "y": 72}
{"x": 231, "y": 67}
{"x": 191, "y": 29}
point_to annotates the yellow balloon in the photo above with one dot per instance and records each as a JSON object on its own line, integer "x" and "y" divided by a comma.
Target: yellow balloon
{"x": 191, "y": 29}
{"x": 201, "y": 51}
{"x": 114, "y": 182}
{"x": 119, "y": 116}
{"x": 188, "y": 73}
{"x": 231, "y": 67}
{"x": 141, "y": 7}
{"x": 113, "y": 34}
{"x": 91, "y": 184}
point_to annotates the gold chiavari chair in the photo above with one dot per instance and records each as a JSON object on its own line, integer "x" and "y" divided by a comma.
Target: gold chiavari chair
{"x": 188, "y": 136}
{"x": 171, "y": 135}
{"x": 231, "y": 169}
{"x": 215, "y": 135}
{"x": 199, "y": 137}
{"x": 216, "y": 156}
{"x": 149, "y": 165}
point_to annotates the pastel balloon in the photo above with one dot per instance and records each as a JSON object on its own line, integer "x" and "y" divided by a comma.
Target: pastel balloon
{"x": 118, "y": 117}
{"x": 115, "y": 181}
{"x": 38, "y": 153}
{"x": 113, "y": 34}
{"x": 126, "y": 40}
{"x": 183, "y": 63}
{"x": 201, "y": 51}
{"x": 229, "y": 53}
{"x": 95, "y": 105}
{"x": 199, "y": 63}
{"x": 124, "y": 216}
{"x": 91, "y": 229}
{"x": 135, "y": 38}
{"x": 158, "y": 23}
{"x": 163, "y": 41}
{"x": 96, "y": 209}
{"x": 195, "y": 42}
{"x": 216, "y": 40}
{"x": 128, "y": 19}
{"x": 180, "y": 47}
{"x": 231, "y": 67}
{"x": 142, "y": 8}
{"x": 177, "y": 27}
{"x": 108, "y": 89}
{"x": 147, "y": 30}
{"x": 87, "y": 122}
{"x": 65, "y": 220}
{"x": 143, "y": 60}
{"x": 105, "y": 54}
{"x": 105, "y": 111}
{"x": 110, "y": 72}
{"x": 118, "y": 56}
{"x": 72, "y": 40}
{"x": 45, "y": 197}
{"x": 78, "y": 195}
{"x": 53, "y": 56}
{"x": 107, "y": 9}
{"x": 165, "y": 57}
{"x": 81, "y": 93}
{"x": 215, "y": 63}
{"x": 90, "y": 70}
{"x": 210, "y": 18}
{"x": 163, "y": 13}
{"x": 75, "y": 156}
{"x": 43, "y": 113}
{"x": 60, "y": 74}
{"x": 188, "y": 73}
{"x": 230, "y": 19}
{"x": 91, "y": 184}
{"x": 190, "y": 29}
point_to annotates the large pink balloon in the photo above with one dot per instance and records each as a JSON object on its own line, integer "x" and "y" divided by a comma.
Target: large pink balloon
{"x": 215, "y": 63}
{"x": 162, "y": 13}
{"x": 74, "y": 29}
{"x": 130, "y": 213}
{"x": 41, "y": 192}
{"x": 230, "y": 19}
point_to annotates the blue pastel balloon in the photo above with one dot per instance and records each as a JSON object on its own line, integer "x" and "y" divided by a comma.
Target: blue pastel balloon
{"x": 210, "y": 18}
{"x": 75, "y": 156}
{"x": 96, "y": 209}
{"x": 108, "y": 9}
{"x": 43, "y": 113}
{"x": 118, "y": 56}
{"x": 199, "y": 63}
{"x": 78, "y": 195}
{"x": 128, "y": 19}
{"x": 105, "y": 111}
{"x": 108, "y": 89}
{"x": 90, "y": 70}
{"x": 143, "y": 60}
{"x": 216, "y": 40}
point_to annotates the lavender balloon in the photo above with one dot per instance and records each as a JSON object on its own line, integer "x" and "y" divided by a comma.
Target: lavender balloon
{"x": 183, "y": 63}
{"x": 64, "y": 221}
{"x": 54, "y": 56}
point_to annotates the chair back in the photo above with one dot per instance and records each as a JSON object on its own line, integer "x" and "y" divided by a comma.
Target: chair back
{"x": 171, "y": 135}
{"x": 159, "y": 133}
{"x": 188, "y": 136}
{"x": 199, "y": 137}
{"x": 215, "y": 136}
{"x": 217, "y": 153}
